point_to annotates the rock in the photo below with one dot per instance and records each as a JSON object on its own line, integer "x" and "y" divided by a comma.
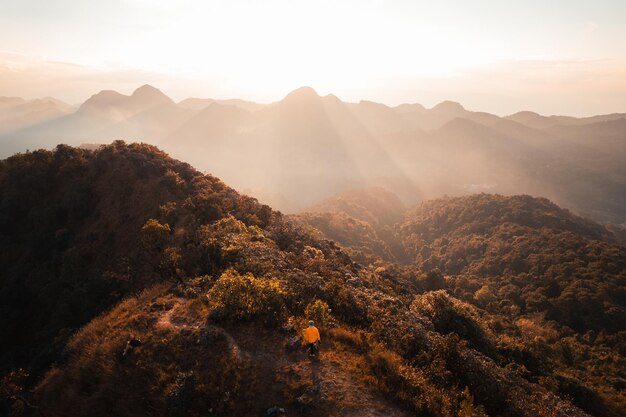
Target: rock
{"x": 157, "y": 307}
{"x": 288, "y": 328}
{"x": 275, "y": 411}
{"x": 304, "y": 399}
{"x": 294, "y": 343}
{"x": 355, "y": 282}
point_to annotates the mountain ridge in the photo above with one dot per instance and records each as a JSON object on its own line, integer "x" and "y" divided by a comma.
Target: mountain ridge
{"x": 142, "y": 244}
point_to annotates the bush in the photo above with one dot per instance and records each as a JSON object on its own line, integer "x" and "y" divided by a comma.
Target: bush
{"x": 407, "y": 384}
{"x": 449, "y": 315}
{"x": 154, "y": 235}
{"x": 319, "y": 312}
{"x": 357, "y": 341}
{"x": 244, "y": 297}
{"x": 467, "y": 408}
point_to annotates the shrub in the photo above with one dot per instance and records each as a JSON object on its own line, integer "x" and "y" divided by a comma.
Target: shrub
{"x": 357, "y": 341}
{"x": 319, "y": 312}
{"x": 449, "y": 315}
{"x": 154, "y": 235}
{"x": 12, "y": 393}
{"x": 244, "y": 297}
{"x": 434, "y": 280}
{"x": 406, "y": 383}
{"x": 466, "y": 407}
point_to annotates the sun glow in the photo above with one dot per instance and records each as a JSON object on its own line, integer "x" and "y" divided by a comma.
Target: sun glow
{"x": 281, "y": 45}
{"x": 380, "y": 50}
{"x": 276, "y": 45}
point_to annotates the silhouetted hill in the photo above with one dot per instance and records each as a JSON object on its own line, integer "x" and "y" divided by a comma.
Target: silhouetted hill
{"x": 410, "y": 108}
{"x": 146, "y": 114}
{"x": 451, "y": 109}
{"x": 112, "y": 107}
{"x": 120, "y": 107}
{"x": 17, "y": 113}
{"x": 317, "y": 139}
{"x": 532, "y": 119}
{"x": 537, "y": 121}
{"x": 611, "y": 131}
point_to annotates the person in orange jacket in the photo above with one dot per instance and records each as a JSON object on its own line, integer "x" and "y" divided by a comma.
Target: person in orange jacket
{"x": 312, "y": 338}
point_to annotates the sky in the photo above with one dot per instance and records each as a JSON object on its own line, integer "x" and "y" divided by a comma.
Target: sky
{"x": 557, "y": 57}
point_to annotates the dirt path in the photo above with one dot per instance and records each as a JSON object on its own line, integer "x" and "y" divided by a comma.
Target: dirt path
{"x": 167, "y": 321}
{"x": 341, "y": 393}
{"x": 310, "y": 387}
{"x": 305, "y": 387}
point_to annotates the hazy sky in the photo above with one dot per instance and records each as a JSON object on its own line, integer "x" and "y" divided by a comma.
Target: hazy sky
{"x": 559, "y": 56}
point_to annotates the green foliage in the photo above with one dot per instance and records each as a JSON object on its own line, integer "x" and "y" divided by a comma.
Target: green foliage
{"x": 319, "y": 312}
{"x": 344, "y": 303}
{"x": 154, "y": 235}
{"x": 170, "y": 262}
{"x": 558, "y": 263}
{"x": 244, "y": 297}
{"x": 229, "y": 241}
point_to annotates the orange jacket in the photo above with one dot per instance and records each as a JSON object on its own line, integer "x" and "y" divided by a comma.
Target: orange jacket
{"x": 311, "y": 334}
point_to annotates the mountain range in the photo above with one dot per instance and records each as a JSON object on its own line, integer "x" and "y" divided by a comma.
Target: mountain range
{"x": 304, "y": 148}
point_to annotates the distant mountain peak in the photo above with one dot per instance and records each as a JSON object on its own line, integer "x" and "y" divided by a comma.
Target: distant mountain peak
{"x": 302, "y": 93}
{"x": 332, "y": 98}
{"x": 104, "y": 98}
{"x": 373, "y": 104}
{"x": 448, "y": 107}
{"x": 524, "y": 115}
{"x": 11, "y": 101}
{"x": 411, "y": 107}
{"x": 148, "y": 92}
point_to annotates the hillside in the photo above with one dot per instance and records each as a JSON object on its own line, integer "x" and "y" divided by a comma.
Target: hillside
{"x": 124, "y": 240}
{"x": 565, "y": 267}
{"x": 375, "y": 205}
{"x": 551, "y": 273}
{"x": 360, "y": 220}
{"x": 71, "y": 239}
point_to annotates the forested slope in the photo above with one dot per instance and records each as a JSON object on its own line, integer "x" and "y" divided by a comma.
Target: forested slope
{"x": 98, "y": 245}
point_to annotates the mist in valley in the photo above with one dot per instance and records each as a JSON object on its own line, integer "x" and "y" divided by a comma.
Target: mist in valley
{"x": 305, "y": 148}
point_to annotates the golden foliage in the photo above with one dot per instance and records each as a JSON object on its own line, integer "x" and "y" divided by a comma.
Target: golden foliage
{"x": 244, "y": 297}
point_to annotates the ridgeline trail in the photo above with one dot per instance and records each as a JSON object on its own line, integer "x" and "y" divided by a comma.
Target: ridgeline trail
{"x": 304, "y": 386}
